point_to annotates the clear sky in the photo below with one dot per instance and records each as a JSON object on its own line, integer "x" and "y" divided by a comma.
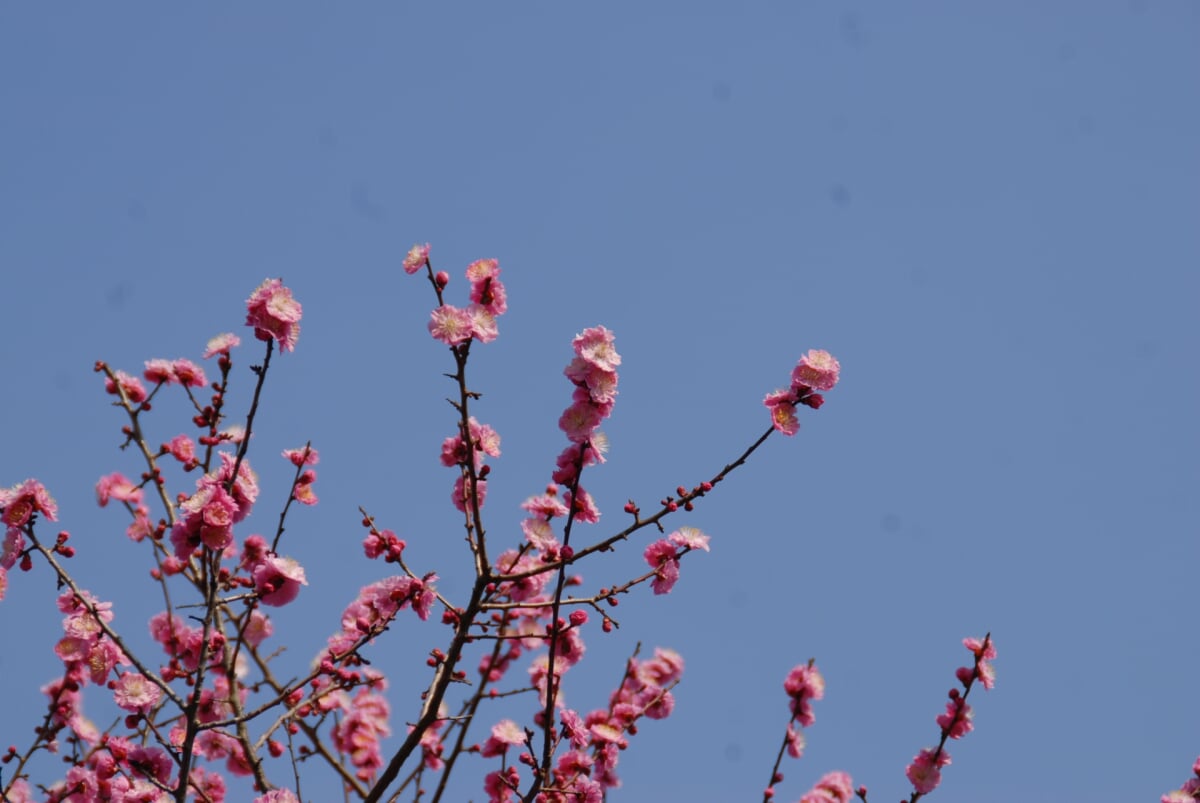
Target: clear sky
{"x": 988, "y": 212}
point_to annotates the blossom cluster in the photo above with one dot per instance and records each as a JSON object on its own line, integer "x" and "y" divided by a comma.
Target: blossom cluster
{"x": 274, "y": 314}
{"x": 588, "y": 768}
{"x": 817, "y": 370}
{"x": 456, "y": 325}
{"x": 18, "y": 506}
{"x": 925, "y": 771}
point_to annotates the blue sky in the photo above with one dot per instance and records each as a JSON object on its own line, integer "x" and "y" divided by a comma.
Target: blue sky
{"x": 987, "y": 212}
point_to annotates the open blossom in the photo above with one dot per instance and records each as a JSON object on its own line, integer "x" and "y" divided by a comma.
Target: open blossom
{"x": 159, "y": 372}
{"x": 596, "y": 346}
{"x": 486, "y": 288}
{"x": 361, "y": 731}
{"x": 304, "y": 456}
{"x": 20, "y": 502}
{"x": 274, "y": 314}
{"x": 188, "y": 374}
{"x": 804, "y": 684}
{"x": 834, "y": 787}
{"x": 985, "y": 653}
{"x": 416, "y": 258}
{"x": 664, "y": 560}
{"x": 817, "y": 370}
{"x": 783, "y": 411}
{"x": 277, "y": 580}
{"x": 451, "y": 325}
{"x": 221, "y": 344}
{"x": 131, "y": 386}
{"x": 505, "y": 734}
{"x": 116, "y": 486}
{"x": 925, "y": 771}
{"x": 134, "y": 692}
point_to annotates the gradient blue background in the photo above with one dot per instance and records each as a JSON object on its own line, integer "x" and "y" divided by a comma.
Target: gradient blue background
{"x": 987, "y": 212}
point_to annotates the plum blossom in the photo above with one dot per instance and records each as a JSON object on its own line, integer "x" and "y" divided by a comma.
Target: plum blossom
{"x": 834, "y": 787}
{"x": 817, "y": 369}
{"x": 117, "y": 486}
{"x": 277, "y": 580}
{"x": 416, "y": 258}
{"x": 596, "y": 347}
{"x": 221, "y": 344}
{"x": 925, "y": 771}
{"x": 20, "y": 502}
{"x": 451, "y": 325}
{"x": 361, "y": 730}
{"x": 274, "y": 314}
{"x": 188, "y": 374}
{"x": 505, "y": 734}
{"x": 783, "y": 411}
{"x": 804, "y": 684}
{"x": 662, "y": 557}
{"x": 134, "y": 692}
{"x": 131, "y": 386}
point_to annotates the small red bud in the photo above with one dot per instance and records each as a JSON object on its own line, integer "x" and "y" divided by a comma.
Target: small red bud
{"x": 607, "y": 625}
{"x": 681, "y": 491}
{"x": 442, "y": 278}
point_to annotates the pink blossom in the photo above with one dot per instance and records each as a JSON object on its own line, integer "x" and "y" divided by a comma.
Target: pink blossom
{"x": 662, "y": 558}
{"x": 817, "y": 370}
{"x": 183, "y": 449}
{"x": 221, "y": 344}
{"x": 451, "y": 325}
{"x": 925, "y": 771}
{"x": 117, "y": 486}
{"x": 596, "y": 346}
{"x": 258, "y": 629}
{"x": 159, "y": 372}
{"x": 795, "y": 741}
{"x": 956, "y": 721}
{"x": 20, "y": 502}
{"x": 134, "y": 692}
{"x": 540, "y": 535}
{"x": 783, "y": 411}
{"x": 277, "y": 580}
{"x": 804, "y": 684}
{"x": 131, "y": 386}
{"x": 483, "y": 269}
{"x": 546, "y": 506}
{"x": 416, "y": 258}
{"x": 277, "y": 796}
{"x": 583, "y": 505}
{"x": 665, "y": 668}
{"x": 189, "y": 374}
{"x": 505, "y": 734}
{"x": 274, "y": 314}
{"x": 486, "y": 439}
{"x": 580, "y": 420}
{"x": 689, "y": 537}
{"x": 461, "y": 495}
{"x": 834, "y": 787}
{"x": 3, "y": 581}
{"x": 302, "y": 490}
{"x": 361, "y": 731}
{"x": 985, "y": 652}
{"x": 486, "y": 289}
{"x": 483, "y": 324}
